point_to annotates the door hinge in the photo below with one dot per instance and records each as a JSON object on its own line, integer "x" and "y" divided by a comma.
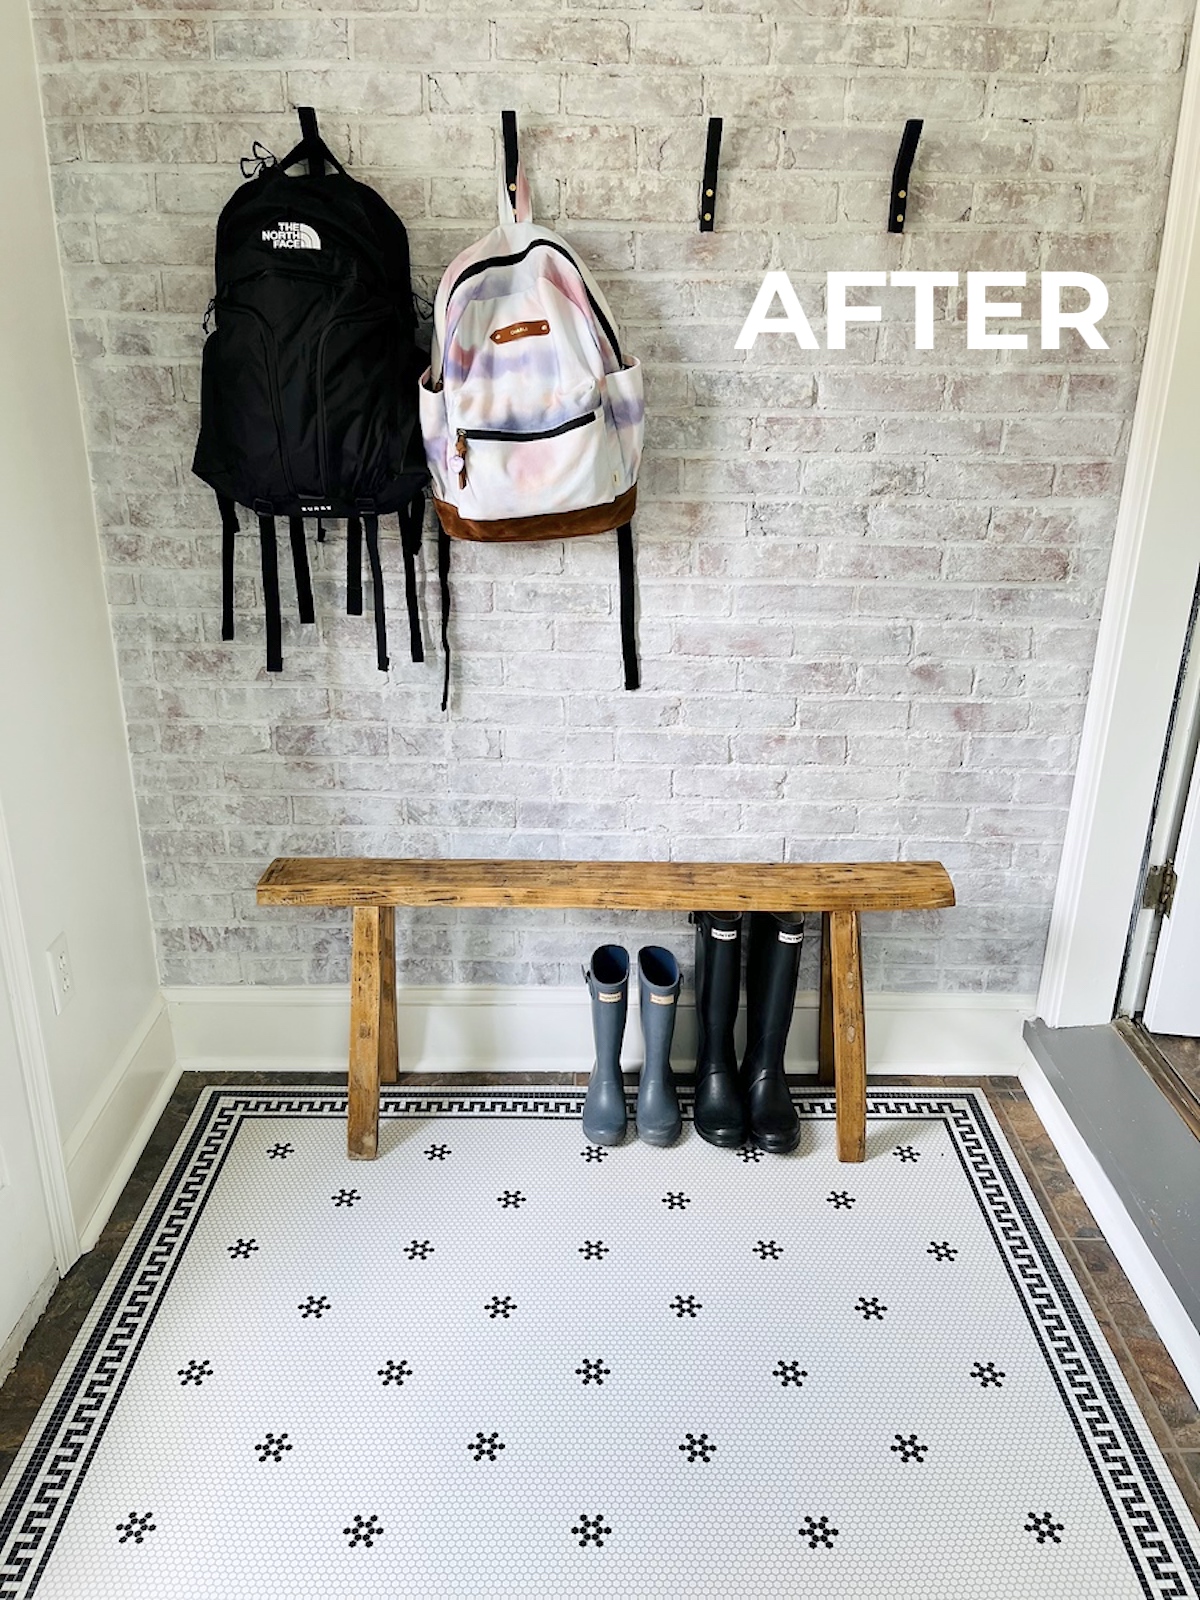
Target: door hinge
{"x": 1159, "y": 893}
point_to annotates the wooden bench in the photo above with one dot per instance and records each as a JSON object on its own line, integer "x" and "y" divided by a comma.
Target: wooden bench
{"x": 840, "y": 891}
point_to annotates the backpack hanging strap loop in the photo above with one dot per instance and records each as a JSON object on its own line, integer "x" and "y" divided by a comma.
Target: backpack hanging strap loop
{"x": 304, "y": 593}
{"x": 628, "y": 605}
{"x": 354, "y": 566}
{"x": 230, "y": 527}
{"x": 412, "y": 521}
{"x": 371, "y": 528}
{"x": 270, "y": 579}
{"x": 444, "y": 586}
{"x": 312, "y": 148}
{"x": 515, "y": 204}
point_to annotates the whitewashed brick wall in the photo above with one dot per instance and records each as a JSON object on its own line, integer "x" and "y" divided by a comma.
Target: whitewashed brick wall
{"x": 870, "y": 579}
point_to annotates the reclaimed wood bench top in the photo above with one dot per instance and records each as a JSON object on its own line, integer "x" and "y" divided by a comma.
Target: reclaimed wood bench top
{"x": 607, "y": 885}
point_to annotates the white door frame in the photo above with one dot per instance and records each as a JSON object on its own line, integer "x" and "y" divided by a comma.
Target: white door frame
{"x": 16, "y": 973}
{"x": 1143, "y": 626}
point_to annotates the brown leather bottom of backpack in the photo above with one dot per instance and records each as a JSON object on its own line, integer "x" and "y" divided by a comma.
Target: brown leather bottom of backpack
{"x": 556, "y": 525}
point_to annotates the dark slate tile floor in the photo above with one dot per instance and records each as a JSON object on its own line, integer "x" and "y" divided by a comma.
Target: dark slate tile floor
{"x": 1168, "y": 1407}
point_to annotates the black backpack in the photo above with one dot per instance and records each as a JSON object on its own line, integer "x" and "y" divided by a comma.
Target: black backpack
{"x": 308, "y": 400}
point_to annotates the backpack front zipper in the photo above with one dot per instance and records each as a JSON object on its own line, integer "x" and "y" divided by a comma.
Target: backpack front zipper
{"x": 463, "y": 434}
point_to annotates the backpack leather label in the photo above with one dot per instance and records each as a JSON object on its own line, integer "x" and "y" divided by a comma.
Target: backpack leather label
{"x": 519, "y": 330}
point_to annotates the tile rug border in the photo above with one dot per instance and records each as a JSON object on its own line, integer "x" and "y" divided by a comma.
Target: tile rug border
{"x": 1133, "y": 1479}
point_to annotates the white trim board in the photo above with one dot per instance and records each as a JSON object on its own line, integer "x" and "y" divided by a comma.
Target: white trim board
{"x": 105, "y": 1144}
{"x": 478, "y": 1028}
{"x": 1143, "y": 627}
{"x": 1172, "y": 1323}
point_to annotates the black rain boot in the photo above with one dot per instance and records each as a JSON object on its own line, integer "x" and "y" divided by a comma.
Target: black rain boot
{"x": 772, "y": 967}
{"x": 720, "y": 1114}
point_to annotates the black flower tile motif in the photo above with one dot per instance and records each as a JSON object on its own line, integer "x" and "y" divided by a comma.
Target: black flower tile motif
{"x": 316, "y": 1305}
{"x": 418, "y": 1249}
{"x": 394, "y": 1372}
{"x": 485, "y": 1446}
{"x": 767, "y": 1250}
{"x": 512, "y": 1198}
{"x": 363, "y": 1530}
{"x": 1044, "y": 1528}
{"x": 500, "y": 1306}
{"x": 789, "y": 1372}
{"x": 941, "y": 1252}
{"x": 436, "y": 1152}
{"x": 686, "y": 1305}
{"x": 594, "y": 1152}
{"x": 281, "y": 1151}
{"x": 591, "y": 1530}
{"x": 593, "y": 1250}
{"x": 697, "y": 1447}
{"x": 675, "y": 1200}
{"x": 987, "y": 1372}
{"x": 195, "y": 1372}
{"x": 840, "y": 1200}
{"x": 870, "y": 1308}
{"x": 817, "y": 1531}
{"x": 592, "y": 1372}
{"x": 345, "y": 1197}
{"x": 908, "y": 1447}
{"x": 273, "y": 1447}
{"x": 750, "y": 1152}
{"x": 906, "y": 1152}
{"x": 136, "y": 1527}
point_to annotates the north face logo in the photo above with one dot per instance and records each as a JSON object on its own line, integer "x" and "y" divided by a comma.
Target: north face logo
{"x": 292, "y": 236}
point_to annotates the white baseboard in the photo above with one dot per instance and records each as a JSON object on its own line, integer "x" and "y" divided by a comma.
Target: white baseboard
{"x": 468, "y": 1029}
{"x": 1172, "y": 1323}
{"x": 11, "y": 1347}
{"x": 103, "y": 1147}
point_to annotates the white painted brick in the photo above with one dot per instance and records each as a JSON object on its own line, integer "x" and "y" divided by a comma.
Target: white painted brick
{"x": 869, "y": 579}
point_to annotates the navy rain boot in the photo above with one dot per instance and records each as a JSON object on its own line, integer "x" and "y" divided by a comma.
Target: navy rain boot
{"x": 608, "y": 982}
{"x": 658, "y": 1119}
{"x": 720, "y": 1112}
{"x": 772, "y": 967}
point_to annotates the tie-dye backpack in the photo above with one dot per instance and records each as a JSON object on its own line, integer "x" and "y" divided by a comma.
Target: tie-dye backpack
{"x": 532, "y": 418}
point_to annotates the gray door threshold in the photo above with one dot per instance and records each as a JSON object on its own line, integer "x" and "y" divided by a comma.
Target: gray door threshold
{"x": 1146, "y": 1149}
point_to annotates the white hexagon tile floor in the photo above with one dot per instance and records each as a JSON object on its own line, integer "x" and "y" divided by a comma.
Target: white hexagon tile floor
{"x": 497, "y": 1361}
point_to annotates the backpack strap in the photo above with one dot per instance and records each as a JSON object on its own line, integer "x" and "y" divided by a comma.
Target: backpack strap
{"x": 628, "y": 604}
{"x": 230, "y": 526}
{"x": 515, "y": 204}
{"x": 444, "y": 585}
{"x": 312, "y": 148}
{"x": 270, "y": 579}
{"x": 371, "y": 528}
{"x": 304, "y": 593}
{"x": 354, "y": 566}
{"x": 412, "y": 521}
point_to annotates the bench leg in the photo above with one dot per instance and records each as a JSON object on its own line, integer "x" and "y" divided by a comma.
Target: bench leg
{"x": 389, "y": 1045}
{"x": 366, "y": 994}
{"x": 825, "y": 1009}
{"x": 849, "y": 1040}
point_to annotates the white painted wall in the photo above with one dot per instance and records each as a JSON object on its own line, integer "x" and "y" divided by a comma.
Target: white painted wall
{"x": 66, "y": 792}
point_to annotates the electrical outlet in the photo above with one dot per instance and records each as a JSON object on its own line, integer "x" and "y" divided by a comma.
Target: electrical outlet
{"x": 62, "y": 980}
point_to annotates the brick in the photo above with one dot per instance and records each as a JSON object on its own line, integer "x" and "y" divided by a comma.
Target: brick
{"x": 967, "y": 49}
{"x": 699, "y": 41}
{"x": 420, "y": 41}
{"x": 281, "y": 39}
{"x": 113, "y": 39}
{"x": 1146, "y": 50}
{"x": 346, "y": 91}
{"x": 598, "y": 41}
{"x": 107, "y": 93}
{"x": 857, "y": 44}
{"x": 532, "y": 93}
{"x": 210, "y": 91}
{"x": 146, "y": 143}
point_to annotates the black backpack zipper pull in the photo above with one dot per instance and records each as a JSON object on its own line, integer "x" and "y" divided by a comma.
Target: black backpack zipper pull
{"x": 208, "y": 311}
